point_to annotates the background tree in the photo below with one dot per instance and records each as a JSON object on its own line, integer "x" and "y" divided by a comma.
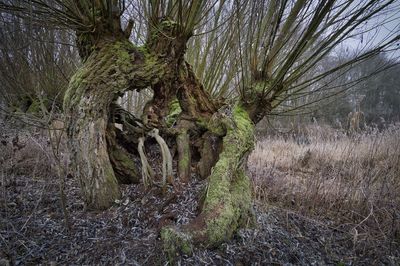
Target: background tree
{"x": 382, "y": 94}
{"x": 371, "y": 87}
{"x": 263, "y": 55}
{"x": 36, "y": 60}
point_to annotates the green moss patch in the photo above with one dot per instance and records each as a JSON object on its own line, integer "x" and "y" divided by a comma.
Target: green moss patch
{"x": 227, "y": 202}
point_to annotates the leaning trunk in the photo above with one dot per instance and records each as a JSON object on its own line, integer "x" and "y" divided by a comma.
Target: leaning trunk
{"x": 212, "y": 137}
{"x": 96, "y": 161}
{"x": 86, "y": 106}
{"x": 228, "y": 197}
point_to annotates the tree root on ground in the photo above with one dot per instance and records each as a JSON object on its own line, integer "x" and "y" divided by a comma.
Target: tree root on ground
{"x": 147, "y": 172}
{"x": 227, "y": 203}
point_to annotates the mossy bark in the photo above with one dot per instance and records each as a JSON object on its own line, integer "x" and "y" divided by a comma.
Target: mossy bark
{"x": 122, "y": 163}
{"x": 114, "y": 67}
{"x": 164, "y": 43}
{"x": 228, "y": 199}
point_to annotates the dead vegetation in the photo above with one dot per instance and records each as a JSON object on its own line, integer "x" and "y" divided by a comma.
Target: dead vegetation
{"x": 317, "y": 203}
{"x": 353, "y": 180}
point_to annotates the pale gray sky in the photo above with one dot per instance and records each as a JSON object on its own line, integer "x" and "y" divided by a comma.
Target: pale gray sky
{"x": 380, "y": 29}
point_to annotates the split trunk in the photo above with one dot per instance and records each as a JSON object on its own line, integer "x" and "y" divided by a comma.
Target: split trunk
{"x": 211, "y": 137}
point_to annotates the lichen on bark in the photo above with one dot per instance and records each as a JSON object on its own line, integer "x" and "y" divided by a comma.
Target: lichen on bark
{"x": 111, "y": 69}
{"x": 225, "y": 204}
{"x": 180, "y": 106}
{"x": 228, "y": 199}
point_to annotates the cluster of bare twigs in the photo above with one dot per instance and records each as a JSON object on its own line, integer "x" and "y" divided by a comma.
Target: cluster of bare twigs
{"x": 281, "y": 53}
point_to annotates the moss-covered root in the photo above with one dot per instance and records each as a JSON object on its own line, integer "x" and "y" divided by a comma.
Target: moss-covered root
{"x": 228, "y": 199}
{"x": 175, "y": 243}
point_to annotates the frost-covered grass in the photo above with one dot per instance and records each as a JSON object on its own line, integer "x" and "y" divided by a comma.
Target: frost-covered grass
{"x": 326, "y": 173}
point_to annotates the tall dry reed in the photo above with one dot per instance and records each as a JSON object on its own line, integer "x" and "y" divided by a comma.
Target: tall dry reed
{"x": 352, "y": 179}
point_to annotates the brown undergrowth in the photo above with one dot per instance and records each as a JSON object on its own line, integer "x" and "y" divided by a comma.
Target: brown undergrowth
{"x": 296, "y": 221}
{"x": 352, "y": 179}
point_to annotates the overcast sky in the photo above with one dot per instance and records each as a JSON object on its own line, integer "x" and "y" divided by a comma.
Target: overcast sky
{"x": 388, "y": 29}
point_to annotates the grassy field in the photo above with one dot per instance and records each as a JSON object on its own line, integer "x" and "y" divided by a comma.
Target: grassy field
{"x": 328, "y": 174}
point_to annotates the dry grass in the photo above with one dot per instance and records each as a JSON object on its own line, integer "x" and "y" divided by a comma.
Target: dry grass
{"x": 351, "y": 179}
{"x": 26, "y": 154}
{"x": 322, "y": 178}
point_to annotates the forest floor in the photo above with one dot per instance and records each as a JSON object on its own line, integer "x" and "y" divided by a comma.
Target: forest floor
{"x": 33, "y": 229}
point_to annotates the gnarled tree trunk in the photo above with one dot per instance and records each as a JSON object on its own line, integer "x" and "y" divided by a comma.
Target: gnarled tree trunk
{"x": 228, "y": 198}
{"x": 107, "y": 72}
{"x": 213, "y": 138}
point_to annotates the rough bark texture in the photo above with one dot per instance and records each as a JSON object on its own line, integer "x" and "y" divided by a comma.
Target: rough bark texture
{"x": 228, "y": 198}
{"x": 122, "y": 163}
{"x": 169, "y": 48}
{"x": 184, "y": 156}
{"x": 114, "y": 67}
{"x": 209, "y": 135}
{"x": 197, "y": 109}
{"x": 211, "y": 147}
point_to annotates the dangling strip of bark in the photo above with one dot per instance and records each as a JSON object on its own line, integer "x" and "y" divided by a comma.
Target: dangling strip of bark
{"x": 228, "y": 200}
{"x": 166, "y": 156}
{"x": 147, "y": 171}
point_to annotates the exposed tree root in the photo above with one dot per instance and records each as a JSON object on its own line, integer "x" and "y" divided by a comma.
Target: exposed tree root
{"x": 228, "y": 199}
{"x": 166, "y": 156}
{"x": 147, "y": 171}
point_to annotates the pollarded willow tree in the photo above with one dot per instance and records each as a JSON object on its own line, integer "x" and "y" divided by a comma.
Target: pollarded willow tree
{"x": 257, "y": 53}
